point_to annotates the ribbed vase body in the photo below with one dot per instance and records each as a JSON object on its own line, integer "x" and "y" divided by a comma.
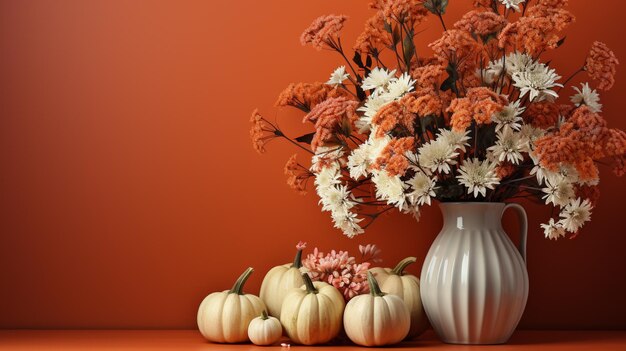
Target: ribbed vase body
{"x": 474, "y": 283}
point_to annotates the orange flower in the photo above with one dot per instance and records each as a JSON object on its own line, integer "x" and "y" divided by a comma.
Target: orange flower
{"x": 601, "y": 65}
{"x": 583, "y": 138}
{"x": 553, "y": 10}
{"x": 542, "y": 114}
{"x": 322, "y": 31}
{"x": 482, "y": 23}
{"x": 297, "y": 175}
{"x": 392, "y": 115}
{"x": 393, "y": 158}
{"x": 425, "y": 102}
{"x": 479, "y": 105}
{"x": 428, "y": 76}
{"x": 531, "y": 34}
{"x": 374, "y": 35}
{"x": 262, "y": 131}
{"x": 505, "y": 169}
{"x": 406, "y": 11}
{"x": 332, "y": 117}
{"x": 305, "y": 96}
{"x": 457, "y": 46}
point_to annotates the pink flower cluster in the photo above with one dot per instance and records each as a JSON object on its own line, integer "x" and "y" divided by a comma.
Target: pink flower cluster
{"x": 341, "y": 270}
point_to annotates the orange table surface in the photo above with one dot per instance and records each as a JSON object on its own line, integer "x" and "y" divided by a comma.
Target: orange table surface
{"x": 191, "y": 340}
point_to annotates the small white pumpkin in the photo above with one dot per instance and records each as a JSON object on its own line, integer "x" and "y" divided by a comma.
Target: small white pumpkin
{"x": 223, "y": 317}
{"x": 376, "y": 319}
{"x": 278, "y": 281}
{"x": 265, "y": 330}
{"x": 397, "y": 282}
{"x": 312, "y": 314}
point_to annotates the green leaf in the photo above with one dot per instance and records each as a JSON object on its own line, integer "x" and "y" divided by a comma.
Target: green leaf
{"x": 560, "y": 42}
{"x": 409, "y": 47}
{"x": 450, "y": 82}
{"x": 438, "y": 7}
{"x": 306, "y": 138}
{"x": 396, "y": 36}
{"x": 357, "y": 59}
{"x": 368, "y": 61}
{"x": 387, "y": 26}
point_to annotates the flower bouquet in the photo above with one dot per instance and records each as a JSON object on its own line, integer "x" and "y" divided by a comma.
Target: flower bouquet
{"x": 478, "y": 116}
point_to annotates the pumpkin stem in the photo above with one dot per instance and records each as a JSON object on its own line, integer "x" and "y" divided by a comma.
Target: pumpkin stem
{"x": 297, "y": 262}
{"x": 374, "y": 288}
{"x": 399, "y": 269}
{"x": 238, "y": 287}
{"x": 310, "y": 288}
{"x": 264, "y": 315}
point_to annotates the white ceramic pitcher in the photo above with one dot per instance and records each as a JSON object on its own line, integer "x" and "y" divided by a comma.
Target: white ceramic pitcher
{"x": 474, "y": 283}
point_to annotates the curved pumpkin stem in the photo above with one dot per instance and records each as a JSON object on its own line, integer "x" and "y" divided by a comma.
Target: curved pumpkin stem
{"x": 297, "y": 261}
{"x": 310, "y": 288}
{"x": 374, "y": 288}
{"x": 264, "y": 315}
{"x": 399, "y": 269}
{"x": 238, "y": 287}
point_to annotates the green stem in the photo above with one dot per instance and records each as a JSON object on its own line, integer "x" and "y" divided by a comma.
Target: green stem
{"x": 374, "y": 288}
{"x": 310, "y": 288}
{"x": 264, "y": 315}
{"x": 297, "y": 261}
{"x": 238, "y": 287}
{"x": 399, "y": 269}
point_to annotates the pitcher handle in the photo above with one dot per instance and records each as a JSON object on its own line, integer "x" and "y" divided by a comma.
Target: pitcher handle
{"x": 521, "y": 214}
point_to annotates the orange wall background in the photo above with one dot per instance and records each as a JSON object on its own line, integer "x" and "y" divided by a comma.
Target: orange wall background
{"x": 130, "y": 190}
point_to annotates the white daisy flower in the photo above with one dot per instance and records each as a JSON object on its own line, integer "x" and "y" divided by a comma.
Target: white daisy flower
{"x": 389, "y": 188}
{"x": 378, "y": 77}
{"x": 437, "y": 156}
{"x": 538, "y": 171}
{"x": 327, "y": 177}
{"x": 490, "y": 74}
{"x": 397, "y": 87}
{"x": 458, "y": 140}
{"x": 348, "y": 223}
{"x": 376, "y": 146}
{"x": 553, "y": 230}
{"x": 537, "y": 82}
{"x": 575, "y": 214}
{"x": 422, "y": 189}
{"x": 588, "y": 97}
{"x": 338, "y": 76}
{"x": 508, "y": 146}
{"x": 336, "y": 199}
{"x": 519, "y": 62}
{"x": 510, "y": 116}
{"x": 358, "y": 161}
{"x": 478, "y": 176}
{"x": 512, "y": 4}
{"x": 373, "y": 103}
{"x": 559, "y": 191}
{"x": 528, "y": 136}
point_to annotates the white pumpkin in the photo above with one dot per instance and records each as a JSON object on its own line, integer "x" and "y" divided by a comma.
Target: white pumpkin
{"x": 265, "y": 330}
{"x": 312, "y": 314}
{"x": 376, "y": 319}
{"x": 397, "y": 282}
{"x": 278, "y": 281}
{"x": 223, "y": 317}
